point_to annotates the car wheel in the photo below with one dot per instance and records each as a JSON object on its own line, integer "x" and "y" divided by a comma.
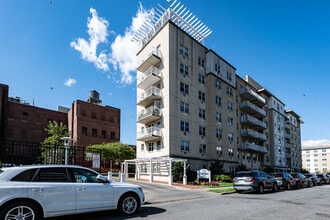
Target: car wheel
{"x": 128, "y": 204}
{"x": 275, "y": 188}
{"x": 288, "y": 186}
{"x": 21, "y": 210}
{"x": 261, "y": 189}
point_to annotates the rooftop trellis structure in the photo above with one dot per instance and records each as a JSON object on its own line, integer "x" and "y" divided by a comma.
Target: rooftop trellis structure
{"x": 179, "y": 15}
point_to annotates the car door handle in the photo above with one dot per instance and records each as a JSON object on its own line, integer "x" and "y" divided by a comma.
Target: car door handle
{"x": 37, "y": 189}
{"x": 81, "y": 188}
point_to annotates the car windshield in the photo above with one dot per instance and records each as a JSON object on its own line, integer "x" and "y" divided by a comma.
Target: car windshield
{"x": 244, "y": 174}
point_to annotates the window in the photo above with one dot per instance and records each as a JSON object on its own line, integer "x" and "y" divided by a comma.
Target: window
{"x": 201, "y": 62}
{"x": 230, "y": 106}
{"x": 201, "y": 78}
{"x": 25, "y": 113}
{"x": 229, "y": 76}
{"x": 218, "y": 100}
{"x": 156, "y": 167}
{"x": 201, "y": 130}
{"x": 94, "y": 115}
{"x": 159, "y": 146}
{"x": 230, "y": 152}
{"x": 184, "y": 51}
{"x": 202, "y": 114}
{"x": 112, "y": 135}
{"x": 218, "y": 117}
{"x": 217, "y": 69}
{"x": 201, "y": 96}
{"x": 84, "y": 176}
{"x": 25, "y": 176}
{"x": 184, "y": 70}
{"x": 218, "y": 133}
{"x": 84, "y": 131}
{"x": 217, "y": 84}
{"x": 142, "y": 147}
{"x": 151, "y": 146}
{"x": 184, "y": 88}
{"x": 52, "y": 174}
{"x": 219, "y": 151}
{"x": 184, "y": 126}
{"x": 202, "y": 149}
{"x": 230, "y": 137}
{"x": 184, "y": 107}
{"x": 230, "y": 122}
{"x": 229, "y": 91}
{"x": 94, "y": 132}
{"x": 104, "y": 134}
{"x": 184, "y": 145}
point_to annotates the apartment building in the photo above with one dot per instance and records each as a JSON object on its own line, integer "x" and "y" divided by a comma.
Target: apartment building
{"x": 191, "y": 104}
{"x": 315, "y": 159}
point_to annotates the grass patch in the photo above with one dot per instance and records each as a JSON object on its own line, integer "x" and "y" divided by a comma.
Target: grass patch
{"x": 223, "y": 190}
{"x": 220, "y": 184}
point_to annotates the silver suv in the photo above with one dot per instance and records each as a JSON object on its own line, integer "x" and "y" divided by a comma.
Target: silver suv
{"x": 254, "y": 181}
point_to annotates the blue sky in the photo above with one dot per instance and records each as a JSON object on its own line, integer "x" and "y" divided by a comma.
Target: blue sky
{"x": 53, "y": 52}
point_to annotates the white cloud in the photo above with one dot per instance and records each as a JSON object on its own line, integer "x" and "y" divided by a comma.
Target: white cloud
{"x": 122, "y": 54}
{"x": 312, "y": 143}
{"x": 70, "y": 82}
{"x": 98, "y": 33}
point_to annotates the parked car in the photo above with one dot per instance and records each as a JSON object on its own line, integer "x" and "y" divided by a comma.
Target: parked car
{"x": 314, "y": 179}
{"x": 284, "y": 180}
{"x": 42, "y": 191}
{"x": 301, "y": 180}
{"x": 254, "y": 181}
{"x": 324, "y": 178}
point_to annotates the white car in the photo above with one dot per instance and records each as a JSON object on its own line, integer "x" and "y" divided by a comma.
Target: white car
{"x": 41, "y": 191}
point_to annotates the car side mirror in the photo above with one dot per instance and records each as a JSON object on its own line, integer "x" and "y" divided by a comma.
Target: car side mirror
{"x": 102, "y": 179}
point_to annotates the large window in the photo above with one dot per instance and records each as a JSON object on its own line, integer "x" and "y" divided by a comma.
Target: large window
{"x": 184, "y": 70}
{"x": 201, "y": 96}
{"x": 184, "y": 145}
{"x": 184, "y": 126}
{"x": 202, "y": 131}
{"x": 202, "y": 114}
{"x": 201, "y": 62}
{"x": 184, "y": 88}
{"x": 201, "y": 78}
{"x": 184, "y": 107}
{"x": 184, "y": 51}
{"x": 218, "y": 100}
{"x": 202, "y": 149}
{"x": 84, "y": 131}
{"x": 218, "y": 117}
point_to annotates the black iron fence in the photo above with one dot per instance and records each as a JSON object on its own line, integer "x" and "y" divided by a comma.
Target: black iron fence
{"x": 23, "y": 153}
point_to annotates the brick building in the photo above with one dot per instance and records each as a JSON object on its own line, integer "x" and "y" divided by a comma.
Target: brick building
{"x": 88, "y": 122}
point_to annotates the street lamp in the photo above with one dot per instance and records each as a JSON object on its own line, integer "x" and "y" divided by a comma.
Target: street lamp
{"x": 66, "y": 147}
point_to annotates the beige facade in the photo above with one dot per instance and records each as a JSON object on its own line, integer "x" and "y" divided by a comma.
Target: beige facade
{"x": 191, "y": 104}
{"x": 316, "y": 159}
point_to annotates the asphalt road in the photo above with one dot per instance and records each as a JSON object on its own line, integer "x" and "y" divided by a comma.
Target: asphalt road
{"x": 165, "y": 202}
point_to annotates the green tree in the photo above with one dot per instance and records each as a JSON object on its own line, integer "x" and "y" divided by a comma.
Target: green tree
{"x": 114, "y": 152}
{"x": 55, "y": 131}
{"x": 52, "y": 149}
{"x": 216, "y": 168}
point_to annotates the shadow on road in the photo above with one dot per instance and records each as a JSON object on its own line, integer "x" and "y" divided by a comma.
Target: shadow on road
{"x": 113, "y": 215}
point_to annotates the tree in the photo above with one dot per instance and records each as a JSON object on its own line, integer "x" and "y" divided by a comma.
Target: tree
{"x": 55, "y": 131}
{"x": 216, "y": 168}
{"x": 114, "y": 152}
{"x": 52, "y": 149}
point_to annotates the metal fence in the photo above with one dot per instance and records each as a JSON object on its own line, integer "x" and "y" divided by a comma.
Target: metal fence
{"x": 23, "y": 153}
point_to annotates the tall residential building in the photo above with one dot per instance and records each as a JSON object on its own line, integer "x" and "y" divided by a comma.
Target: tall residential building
{"x": 316, "y": 159}
{"x": 191, "y": 104}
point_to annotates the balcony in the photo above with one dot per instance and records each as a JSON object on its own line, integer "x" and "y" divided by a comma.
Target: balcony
{"x": 152, "y": 59}
{"x": 252, "y": 121}
{"x": 151, "y": 134}
{"x": 149, "y": 96}
{"x": 252, "y": 96}
{"x": 254, "y": 134}
{"x": 254, "y": 147}
{"x": 149, "y": 78}
{"x": 148, "y": 115}
{"x": 252, "y": 109}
